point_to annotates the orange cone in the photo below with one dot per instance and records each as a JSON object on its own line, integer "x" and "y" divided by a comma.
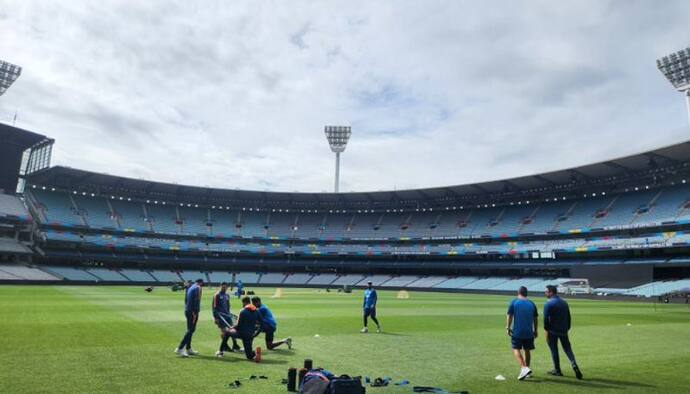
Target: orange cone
{"x": 257, "y": 358}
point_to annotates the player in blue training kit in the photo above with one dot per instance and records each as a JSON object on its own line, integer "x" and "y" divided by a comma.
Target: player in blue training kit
{"x": 223, "y": 319}
{"x": 557, "y": 325}
{"x": 192, "y": 306}
{"x": 268, "y": 325}
{"x": 369, "y": 308}
{"x": 240, "y": 287}
{"x": 524, "y": 319}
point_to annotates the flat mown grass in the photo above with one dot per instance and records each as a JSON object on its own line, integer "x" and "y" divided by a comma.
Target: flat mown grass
{"x": 120, "y": 339}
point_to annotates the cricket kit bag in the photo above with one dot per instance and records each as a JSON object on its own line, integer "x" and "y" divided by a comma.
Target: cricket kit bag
{"x": 346, "y": 385}
{"x": 316, "y": 381}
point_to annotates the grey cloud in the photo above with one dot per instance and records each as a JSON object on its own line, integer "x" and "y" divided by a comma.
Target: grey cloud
{"x": 236, "y": 94}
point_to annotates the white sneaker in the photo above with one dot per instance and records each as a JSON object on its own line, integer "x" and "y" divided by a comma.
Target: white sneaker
{"x": 219, "y": 354}
{"x": 289, "y": 343}
{"x": 192, "y": 352}
{"x": 524, "y": 372}
{"x": 181, "y": 353}
{"x": 378, "y": 329}
{"x": 364, "y": 330}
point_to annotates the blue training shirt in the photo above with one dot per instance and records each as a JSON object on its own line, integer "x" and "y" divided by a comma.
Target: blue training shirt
{"x": 221, "y": 304}
{"x": 557, "y": 316}
{"x": 523, "y": 311}
{"x": 268, "y": 322}
{"x": 370, "y": 299}
{"x": 192, "y": 299}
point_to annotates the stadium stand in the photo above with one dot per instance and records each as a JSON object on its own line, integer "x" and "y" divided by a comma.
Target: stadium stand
{"x": 348, "y": 280}
{"x": 219, "y": 277}
{"x": 11, "y": 207}
{"x": 297, "y": 279}
{"x": 137, "y": 275}
{"x": 621, "y": 223}
{"x": 166, "y": 276}
{"x": 25, "y": 273}
{"x": 247, "y": 278}
{"x": 323, "y": 279}
{"x": 71, "y": 274}
{"x": 428, "y": 282}
{"x": 108, "y": 275}
{"x": 272, "y": 279}
{"x": 594, "y": 212}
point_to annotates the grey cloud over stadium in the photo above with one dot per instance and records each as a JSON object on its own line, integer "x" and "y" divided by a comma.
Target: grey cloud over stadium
{"x": 438, "y": 93}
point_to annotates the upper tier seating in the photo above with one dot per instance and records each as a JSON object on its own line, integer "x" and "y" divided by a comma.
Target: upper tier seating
{"x": 631, "y": 208}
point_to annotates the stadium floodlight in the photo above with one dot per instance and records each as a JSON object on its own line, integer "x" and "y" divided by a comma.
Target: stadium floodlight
{"x": 337, "y": 138}
{"x": 676, "y": 68}
{"x": 8, "y": 74}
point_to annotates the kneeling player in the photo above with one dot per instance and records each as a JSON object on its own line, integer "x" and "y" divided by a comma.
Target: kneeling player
{"x": 246, "y": 327}
{"x": 269, "y": 325}
{"x": 223, "y": 319}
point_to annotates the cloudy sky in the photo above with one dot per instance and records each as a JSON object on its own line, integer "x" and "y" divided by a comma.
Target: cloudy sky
{"x": 235, "y": 94}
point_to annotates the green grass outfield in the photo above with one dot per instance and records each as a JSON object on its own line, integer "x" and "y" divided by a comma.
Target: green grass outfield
{"x": 121, "y": 339}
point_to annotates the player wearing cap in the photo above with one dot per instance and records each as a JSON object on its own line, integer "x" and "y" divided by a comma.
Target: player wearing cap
{"x": 369, "y": 308}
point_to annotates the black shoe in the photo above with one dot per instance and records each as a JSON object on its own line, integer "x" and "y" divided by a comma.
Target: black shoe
{"x": 555, "y": 372}
{"x": 578, "y": 373}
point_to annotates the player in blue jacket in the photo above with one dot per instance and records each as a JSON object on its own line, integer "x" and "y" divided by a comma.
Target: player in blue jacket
{"x": 223, "y": 319}
{"x": 246, "y": 327}
{"x": 557, "y": 325}
{"x": 192, "y": 305}
{"x": 268, "y": 325}
{"x": 369, "y": 308}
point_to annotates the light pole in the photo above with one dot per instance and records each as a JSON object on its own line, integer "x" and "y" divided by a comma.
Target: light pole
{"x": 676, "y": 68}
{"x": 8, "y": 74}
{"x": 337, "y": 138}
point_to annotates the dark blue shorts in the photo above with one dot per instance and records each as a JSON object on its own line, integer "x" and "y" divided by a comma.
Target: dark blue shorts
{"x": 225, "y": 322}
{"x": 370, "y": 312}
{"x": 522, "y": 343}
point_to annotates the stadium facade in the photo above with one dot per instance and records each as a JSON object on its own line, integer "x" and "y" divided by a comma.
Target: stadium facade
{"x": 620, "y": 226}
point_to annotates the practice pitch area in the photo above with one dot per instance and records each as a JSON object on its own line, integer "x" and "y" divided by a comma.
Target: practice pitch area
{"x": 121, "y": 339}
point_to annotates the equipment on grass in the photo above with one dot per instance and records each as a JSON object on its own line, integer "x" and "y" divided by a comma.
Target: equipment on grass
{"x": 346, "y": 385}
{"x": 292, "y": 379}
{"x": 403, "y": 295}
{"x": 278, "y": 293}
{"x": 308, "y": 363}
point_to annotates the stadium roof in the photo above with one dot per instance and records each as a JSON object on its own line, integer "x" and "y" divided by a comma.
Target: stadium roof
{"x": 13, "y": 142}
{"x": 667, "y": 164}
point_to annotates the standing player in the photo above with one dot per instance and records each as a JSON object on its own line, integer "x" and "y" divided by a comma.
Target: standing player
{"x": 240, "y": 286}
{"x": 524, "y": 318}
{"x": 192, "y": 305}
{"x": 269, "y": 325}
{"x": 223, "y": 319}
{"x": 556, "y": 325}
{"x": 246, "y": 328}
{"x": 369, "y": 307}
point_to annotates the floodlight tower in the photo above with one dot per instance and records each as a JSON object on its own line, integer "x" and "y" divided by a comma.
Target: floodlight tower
{"x": 337, "y": 138}
{"x": 8, "y": 74}
{"x": 676, "y": 68}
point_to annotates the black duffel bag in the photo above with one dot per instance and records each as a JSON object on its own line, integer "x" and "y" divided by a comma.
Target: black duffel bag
{"x": 346, "y": 385}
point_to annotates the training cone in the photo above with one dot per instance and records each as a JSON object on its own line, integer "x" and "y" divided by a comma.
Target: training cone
{"x": 257, "y": 358}
{"x": 278, "y": 293}
{"x": 403, "y": 295}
